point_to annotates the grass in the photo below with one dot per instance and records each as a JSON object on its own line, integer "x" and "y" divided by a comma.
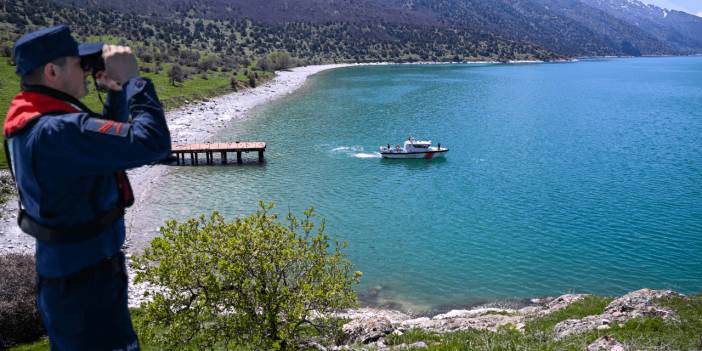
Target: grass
{"x": 637, "y": 334}
{"x": 193, "y": 89}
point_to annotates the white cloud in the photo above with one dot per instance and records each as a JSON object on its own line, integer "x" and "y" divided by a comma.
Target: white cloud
{"x": 699, "y": 14}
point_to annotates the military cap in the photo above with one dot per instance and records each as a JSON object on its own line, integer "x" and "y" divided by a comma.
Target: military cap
{"x": 37, "y": 48}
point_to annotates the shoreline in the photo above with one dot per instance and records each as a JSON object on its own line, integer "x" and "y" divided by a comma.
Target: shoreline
{"x": 208, "y": 117}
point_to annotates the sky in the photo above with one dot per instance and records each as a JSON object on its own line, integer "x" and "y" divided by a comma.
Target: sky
{"x": 691, "y": 6}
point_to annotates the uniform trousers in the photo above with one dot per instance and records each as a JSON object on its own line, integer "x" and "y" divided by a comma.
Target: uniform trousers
{"x": 87, "y": 310}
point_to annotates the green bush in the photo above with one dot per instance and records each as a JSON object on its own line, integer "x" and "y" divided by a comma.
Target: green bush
{"x": 253, "y": 282}
{"x": 19, "y": 319}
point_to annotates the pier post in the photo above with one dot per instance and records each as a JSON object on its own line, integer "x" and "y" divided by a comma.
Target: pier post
{"x": 224, "y": 157}
{"x": 192, "y": 158}
{"x": 260, "y": 156}
{"x": 238, "y": 157}
{"x": 177, "y": 158}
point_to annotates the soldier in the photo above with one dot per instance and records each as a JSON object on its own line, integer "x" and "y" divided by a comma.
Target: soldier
{"x": 69, "y": 164}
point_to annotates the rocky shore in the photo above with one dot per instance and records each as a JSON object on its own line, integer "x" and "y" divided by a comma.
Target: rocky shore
{"x": 369, "y": 327}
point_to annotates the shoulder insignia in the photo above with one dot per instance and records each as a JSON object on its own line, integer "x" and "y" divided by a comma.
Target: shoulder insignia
{"x": 106, "y": 126}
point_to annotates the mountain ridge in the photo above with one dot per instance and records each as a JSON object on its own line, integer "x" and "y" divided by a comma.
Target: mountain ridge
{"x": 566, "y": 27}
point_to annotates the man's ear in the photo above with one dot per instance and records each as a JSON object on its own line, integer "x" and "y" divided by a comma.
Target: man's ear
{"x": 50, "y": 72}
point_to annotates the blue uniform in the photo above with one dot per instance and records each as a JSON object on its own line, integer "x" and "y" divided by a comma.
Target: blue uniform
{"x": 65, "y": 163}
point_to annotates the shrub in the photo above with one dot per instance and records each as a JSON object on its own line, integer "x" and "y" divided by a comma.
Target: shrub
{"x": 280, "y": 60}
{"x": 264, "y": 64}
{"x": 19, "y": 319}
{"x": 176, "y": 74}
{"x": 254, "y": 281}
{"x": 252, "y": 80}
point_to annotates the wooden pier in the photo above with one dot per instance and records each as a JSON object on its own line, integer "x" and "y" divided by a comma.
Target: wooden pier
{"x": 209, "y": 149}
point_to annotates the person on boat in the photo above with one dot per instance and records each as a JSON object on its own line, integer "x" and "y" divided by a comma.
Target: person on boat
{"x": 69, "y": 166}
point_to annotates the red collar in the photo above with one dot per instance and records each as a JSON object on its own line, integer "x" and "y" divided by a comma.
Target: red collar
{"x": 27, "y": 105}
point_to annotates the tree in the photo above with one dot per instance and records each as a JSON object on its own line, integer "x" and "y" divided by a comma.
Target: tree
{"x": 254, "y": 281}
{"x": 264, "y": 64}
{"x": 175, "y": 74}
{"x": 252, "y": 79}
{"x": 280, "y": 60}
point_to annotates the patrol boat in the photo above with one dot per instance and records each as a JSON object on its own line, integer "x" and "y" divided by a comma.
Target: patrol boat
{"x": 413, "y": 148}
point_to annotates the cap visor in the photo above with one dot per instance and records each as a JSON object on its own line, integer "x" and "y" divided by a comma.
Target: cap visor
{"x": 88, "y": 49}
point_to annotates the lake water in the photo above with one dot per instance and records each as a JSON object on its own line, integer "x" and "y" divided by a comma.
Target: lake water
{"x": 578, "y": 177}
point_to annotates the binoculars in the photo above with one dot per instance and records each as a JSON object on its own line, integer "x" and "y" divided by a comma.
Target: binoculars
{"x": 92, "y": 63}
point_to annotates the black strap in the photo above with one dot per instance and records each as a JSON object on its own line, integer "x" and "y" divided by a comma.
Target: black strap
{"x": 68, "y": 234}
{"x": 106, "y": 266}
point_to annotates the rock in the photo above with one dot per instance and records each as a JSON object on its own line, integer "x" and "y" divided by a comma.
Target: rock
{"x": 606, "y": 343}
{"x": 472, "y": 313}
{"x": 562, "y": 302}
{"x": 395, "y": 317}
{"x": 641, "y": 303}
{"x": 312, "y": 345}
{"x": 368, "y": 329}
{"x": 419, "y": 323}
{"x": 530, "y": 310}
{"x": 444, "y": 325}
{"x": 576, "y": 326}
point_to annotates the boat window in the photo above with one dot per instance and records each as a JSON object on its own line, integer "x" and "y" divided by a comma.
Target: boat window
{"x": 420, "y": 146}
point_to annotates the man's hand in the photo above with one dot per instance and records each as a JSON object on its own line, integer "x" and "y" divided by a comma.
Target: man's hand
{"x": 120, "y": 66}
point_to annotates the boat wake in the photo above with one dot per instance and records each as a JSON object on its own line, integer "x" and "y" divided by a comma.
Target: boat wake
{"x": 346, "y": 149}
{"x": 367, "y": 155}
{"x": 354, "y": 151}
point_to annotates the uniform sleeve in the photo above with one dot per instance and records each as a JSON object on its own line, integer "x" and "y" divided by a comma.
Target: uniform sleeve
{"x": 116, "y": 106}
{"x": 78, "y": 144}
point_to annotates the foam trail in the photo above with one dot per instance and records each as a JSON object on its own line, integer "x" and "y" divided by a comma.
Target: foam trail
{"x": 347, "y": 149}
{"x": 367, "y": 155}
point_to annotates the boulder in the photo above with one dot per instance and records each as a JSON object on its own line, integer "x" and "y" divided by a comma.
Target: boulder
{"x": 473, "y": 313}
{"x": 395, "y": 317}
{"x": 577, "y": 326}
{"x": 562, "y": 302}
{"x": 367, "y": 329}
{"x": 445, "y": 325}
{"x": 640, "y": 303}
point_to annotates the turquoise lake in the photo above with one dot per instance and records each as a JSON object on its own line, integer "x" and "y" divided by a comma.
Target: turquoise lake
{"x": 574, "y": 177}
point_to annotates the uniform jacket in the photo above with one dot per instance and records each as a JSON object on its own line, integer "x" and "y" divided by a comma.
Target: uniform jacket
{"x": 65, "y": 163}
